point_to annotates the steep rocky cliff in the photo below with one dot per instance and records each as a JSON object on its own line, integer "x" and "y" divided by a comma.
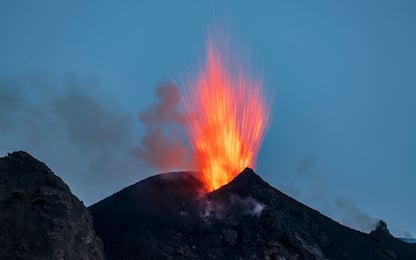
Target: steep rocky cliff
{"x": 39, "y": 217}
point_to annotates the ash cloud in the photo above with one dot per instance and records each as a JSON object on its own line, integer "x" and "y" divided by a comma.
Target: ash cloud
{"x": 163, "y": 146}
{"x": 91, "y": 143}
{"x": 85, "y": 140}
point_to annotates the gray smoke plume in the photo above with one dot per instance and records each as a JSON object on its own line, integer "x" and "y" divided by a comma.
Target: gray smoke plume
{"x": 86, "y": 141}
{"x": 163, "y": 146}
{"x": 318, "y": 196}
{"x": 220, "y": 210}
{"x": 354, "y": 217}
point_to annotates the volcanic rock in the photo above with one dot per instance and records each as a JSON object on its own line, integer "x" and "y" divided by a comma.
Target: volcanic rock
{"x": 39, "y": 217}
{"x": 169, "y": 216}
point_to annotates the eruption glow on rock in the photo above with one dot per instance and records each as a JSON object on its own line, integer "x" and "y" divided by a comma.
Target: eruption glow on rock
{"x": 229, "y": 116}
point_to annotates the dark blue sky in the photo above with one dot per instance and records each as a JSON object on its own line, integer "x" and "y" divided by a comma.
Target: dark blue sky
{"x": 343, "y": 132}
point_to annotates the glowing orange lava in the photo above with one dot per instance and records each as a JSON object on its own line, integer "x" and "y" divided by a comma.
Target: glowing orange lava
{"x": 229, "y": 116}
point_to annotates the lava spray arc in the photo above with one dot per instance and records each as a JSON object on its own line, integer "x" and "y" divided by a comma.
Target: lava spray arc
{"x": 228, "y": 115}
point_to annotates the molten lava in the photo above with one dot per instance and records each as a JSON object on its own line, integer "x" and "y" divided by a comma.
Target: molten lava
{"x": 229, "y": 115}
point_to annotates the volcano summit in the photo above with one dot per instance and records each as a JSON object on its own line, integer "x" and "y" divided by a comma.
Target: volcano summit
{"x": 171, "y": 216}
{"x": 168, "y": 216}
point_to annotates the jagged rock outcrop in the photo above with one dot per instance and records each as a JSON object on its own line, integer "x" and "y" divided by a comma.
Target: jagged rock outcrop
{"x": 39, "y": 217}
{"x": 168, "y": 216}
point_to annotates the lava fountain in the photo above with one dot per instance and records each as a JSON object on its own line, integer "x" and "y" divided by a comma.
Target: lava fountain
{"x": 228, "y": 117}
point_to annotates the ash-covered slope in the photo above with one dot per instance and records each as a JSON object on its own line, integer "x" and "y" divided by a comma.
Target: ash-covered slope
{"x": 168, "y": 217}
{"x": 39, "y": 217}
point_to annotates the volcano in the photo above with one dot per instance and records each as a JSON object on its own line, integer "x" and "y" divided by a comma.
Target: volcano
{"x": 169, "y": 216}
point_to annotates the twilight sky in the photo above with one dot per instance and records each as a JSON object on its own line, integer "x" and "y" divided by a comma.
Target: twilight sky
{"x": 74, "y": 75}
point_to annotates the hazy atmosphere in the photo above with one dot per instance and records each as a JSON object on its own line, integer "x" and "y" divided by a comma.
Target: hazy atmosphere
{"x": 84, "y": 86}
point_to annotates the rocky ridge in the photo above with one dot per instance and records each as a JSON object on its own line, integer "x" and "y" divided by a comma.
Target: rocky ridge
{"x": 39, "y": 216}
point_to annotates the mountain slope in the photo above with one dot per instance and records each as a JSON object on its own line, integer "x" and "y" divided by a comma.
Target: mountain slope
{"x": 168, "y": 216}
{"x": 39, "y": 217}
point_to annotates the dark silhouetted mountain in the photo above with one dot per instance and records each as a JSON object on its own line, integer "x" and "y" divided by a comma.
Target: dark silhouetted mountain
{"x": 39, "y": 217}
{"x": 168, "y": 216}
